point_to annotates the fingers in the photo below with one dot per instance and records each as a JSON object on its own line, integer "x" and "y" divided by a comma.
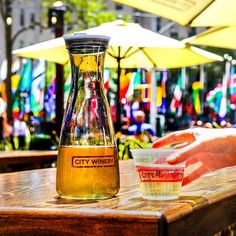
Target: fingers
{"x": 185, "y": 153}
{"x": 179, "y": 145}
{"x": 194, "y": 175}
{"x": 192, "y": 160}
{"x": 176, "y": 137}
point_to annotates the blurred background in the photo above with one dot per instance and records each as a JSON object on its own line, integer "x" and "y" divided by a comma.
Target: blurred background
{"x": 33, "y": 92}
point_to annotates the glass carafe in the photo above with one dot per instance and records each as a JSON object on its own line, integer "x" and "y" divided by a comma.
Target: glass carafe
{"x": 87, "y": 165}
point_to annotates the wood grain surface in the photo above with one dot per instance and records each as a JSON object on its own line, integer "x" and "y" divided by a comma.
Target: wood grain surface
{"x": 20, "y": 160}
{"x": 29, "y": 205}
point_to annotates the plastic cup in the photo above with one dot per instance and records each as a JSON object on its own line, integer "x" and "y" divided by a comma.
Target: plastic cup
{"x": 158, "y": 180}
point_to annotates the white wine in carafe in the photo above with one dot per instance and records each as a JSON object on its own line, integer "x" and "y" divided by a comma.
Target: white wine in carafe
{"x": 87, "y": 172}
{"x": 87, "y": 165}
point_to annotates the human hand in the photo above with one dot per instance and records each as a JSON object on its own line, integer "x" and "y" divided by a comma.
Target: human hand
{"x": 211, "y": 148}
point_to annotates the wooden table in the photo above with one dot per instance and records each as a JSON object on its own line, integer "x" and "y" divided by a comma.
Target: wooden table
{"x": 30, "y": 159}
{"x": 29, "y": 205}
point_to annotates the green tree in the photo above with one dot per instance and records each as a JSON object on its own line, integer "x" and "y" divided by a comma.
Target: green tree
{"x": 84, "y": 14}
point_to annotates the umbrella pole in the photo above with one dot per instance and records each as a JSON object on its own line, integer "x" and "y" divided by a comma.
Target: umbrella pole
{"x": 118, "y": 105}
{"x": 59, "y": 31}
{"x": 153, "y": 108}
{"x": 59, "y": 97}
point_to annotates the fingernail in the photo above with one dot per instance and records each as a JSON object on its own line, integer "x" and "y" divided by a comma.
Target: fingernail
{"x": 172, "y": 158}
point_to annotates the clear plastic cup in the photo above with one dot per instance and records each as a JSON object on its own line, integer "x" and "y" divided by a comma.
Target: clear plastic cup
{"x": 158, "y": 180}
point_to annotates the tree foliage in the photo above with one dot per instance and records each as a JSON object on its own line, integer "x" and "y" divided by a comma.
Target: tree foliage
{"x": 84, "y": 14}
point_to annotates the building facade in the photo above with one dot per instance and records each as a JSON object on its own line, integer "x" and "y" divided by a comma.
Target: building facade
{"x": 23, "y": 14}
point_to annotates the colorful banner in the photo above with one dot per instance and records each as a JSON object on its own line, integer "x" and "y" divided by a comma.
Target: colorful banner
{"x": 50, "y": 101}
{"x": 197, "y": 86}
{"x": 37, "y": 88}
{"x": 22, "y": 96}
{"x": 176, "y": 101}
{"x": 161, "y": 91}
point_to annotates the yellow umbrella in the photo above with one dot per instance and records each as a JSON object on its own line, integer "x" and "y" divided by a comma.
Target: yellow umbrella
{"x": 52, "y": 50}
{"x": 194, "y": 12}
{"x": 131, "y": 46}
{"x": 223, "y": 37}
{"x": 163, "y": 58}
{"x": 55, "y": 51}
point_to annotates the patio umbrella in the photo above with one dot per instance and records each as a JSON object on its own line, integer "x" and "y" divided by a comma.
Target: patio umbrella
{"x": 53, "y": 50}
{"x": 192, "y": 13}
{"x": 223, "y": 37}
{"x": 130, "y": 46}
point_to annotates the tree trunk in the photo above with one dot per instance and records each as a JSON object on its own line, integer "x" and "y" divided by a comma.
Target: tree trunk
{"x": 8, "y": 56}
{"x": 8, "y": 79}
{"x": 6, "y": 11}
